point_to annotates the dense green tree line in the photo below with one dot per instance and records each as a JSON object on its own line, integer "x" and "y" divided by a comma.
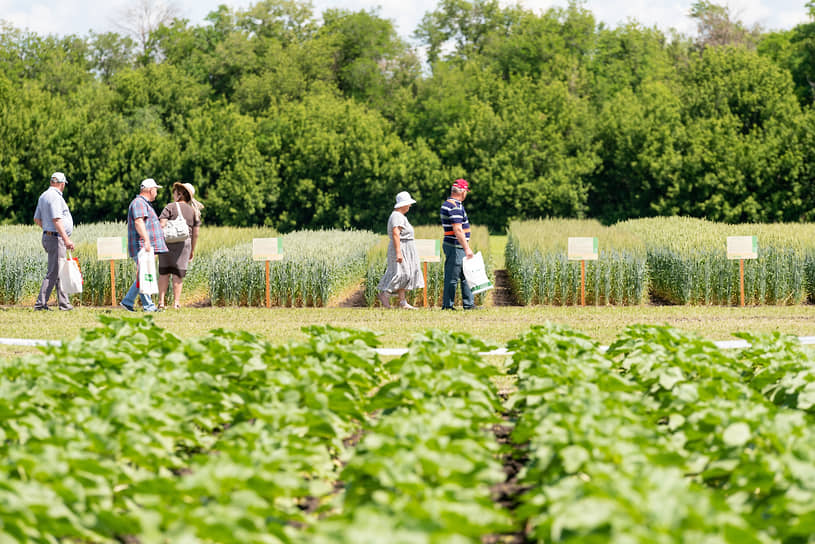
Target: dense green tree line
{"x": 283, "y": 118}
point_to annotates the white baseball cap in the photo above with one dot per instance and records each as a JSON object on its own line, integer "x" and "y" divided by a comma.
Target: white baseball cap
{"x": 149, "y": 183}
{"x": 58, "y": 177}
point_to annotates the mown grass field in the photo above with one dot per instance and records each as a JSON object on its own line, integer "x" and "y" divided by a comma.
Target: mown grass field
{"x": 396, "y": 327}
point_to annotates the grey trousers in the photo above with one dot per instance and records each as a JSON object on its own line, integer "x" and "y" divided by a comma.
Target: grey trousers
{"x": 55, "y": 248}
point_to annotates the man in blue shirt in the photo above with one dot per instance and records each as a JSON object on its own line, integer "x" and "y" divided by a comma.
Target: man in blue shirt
{"x": 143, "y": 232}
{"x": 456, "y": 246}
{"x": 53, "y": 216}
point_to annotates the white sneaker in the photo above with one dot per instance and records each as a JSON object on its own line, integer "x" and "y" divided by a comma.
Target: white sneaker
{"x": 384, "y": 298}
{"x": 405, "y": 305}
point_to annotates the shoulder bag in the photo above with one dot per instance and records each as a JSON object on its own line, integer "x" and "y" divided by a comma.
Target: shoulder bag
{"x": 176, "y": 230}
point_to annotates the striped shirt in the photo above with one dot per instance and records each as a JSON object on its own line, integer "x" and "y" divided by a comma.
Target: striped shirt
{"x": 140, "y": 207}
{"x": 452, "y": 211}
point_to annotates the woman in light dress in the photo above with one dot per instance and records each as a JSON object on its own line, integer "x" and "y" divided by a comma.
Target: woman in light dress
{"x": 403, "y": 271}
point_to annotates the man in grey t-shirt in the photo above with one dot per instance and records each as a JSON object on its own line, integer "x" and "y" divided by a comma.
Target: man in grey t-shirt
{"x": 53, "y": 216}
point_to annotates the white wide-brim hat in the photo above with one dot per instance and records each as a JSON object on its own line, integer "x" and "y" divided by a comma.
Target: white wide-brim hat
{"x": 403, "y": 199}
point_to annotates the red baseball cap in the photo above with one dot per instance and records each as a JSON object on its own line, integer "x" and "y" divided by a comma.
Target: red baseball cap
{"x": 462, "y": 184}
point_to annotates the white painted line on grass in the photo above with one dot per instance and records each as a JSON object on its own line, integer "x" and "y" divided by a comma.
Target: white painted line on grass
{"x": 27, "y": 342}
{"x": 396, "y": 352}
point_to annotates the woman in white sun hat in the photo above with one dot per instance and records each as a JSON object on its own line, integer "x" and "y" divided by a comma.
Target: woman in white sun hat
{"x": 403, "y": 271}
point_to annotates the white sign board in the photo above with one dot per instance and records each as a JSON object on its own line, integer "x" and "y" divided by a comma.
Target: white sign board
{"x": 429, "y": 251}
{"x": 742, "y": 247}
{"x": 108, "y": 249}
{"x": 267, "y": 249}
{"x": 583, "y": 249}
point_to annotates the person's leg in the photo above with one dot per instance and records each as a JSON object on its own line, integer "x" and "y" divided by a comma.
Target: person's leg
{"x": 448, "y": 297}
{"x": 178, "y": 284}
{"x": 130, "y": 298}
{"x": 403, "y": 303}
{"x": 467, "y": 297}
{"x": 51, "y": 247}
{"x": 63, "y": 299}
{"x": 147, "y": 303}
{"x": 163, "y": 284}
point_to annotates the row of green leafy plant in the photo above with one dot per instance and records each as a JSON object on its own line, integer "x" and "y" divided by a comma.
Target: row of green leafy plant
{"x": 664, "y": 438}
{"x": 129, "y": 433}
{"x": 671, "y": 259}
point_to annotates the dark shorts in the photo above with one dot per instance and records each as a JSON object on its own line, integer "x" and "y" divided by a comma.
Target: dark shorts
{"x": 164, "y": 270}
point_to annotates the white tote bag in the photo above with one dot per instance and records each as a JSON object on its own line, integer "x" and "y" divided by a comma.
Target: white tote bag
{"x": 70, "y": 276}
{"x": 176, "y": 230}
{"x": 476, "y": 274}
{"x": 148, "y": 280}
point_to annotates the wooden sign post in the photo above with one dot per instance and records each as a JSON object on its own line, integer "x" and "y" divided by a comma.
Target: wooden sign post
{"x": 111, "y": 249}
{"x": 583, "y": 249}
{"x": 429, "y": 251}
{"x": 267, "y": 249}
{"x": 742, "y": 247}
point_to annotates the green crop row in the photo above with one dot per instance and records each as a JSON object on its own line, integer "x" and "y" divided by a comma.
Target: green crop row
{"x": 317, "y": 265}
{"x": 130, "y": 434}
{"x": 674, "y": 260}
{"x": 540, "y": 273}
{"x": 664, "y": 438}
{"x": 688, "y": 262}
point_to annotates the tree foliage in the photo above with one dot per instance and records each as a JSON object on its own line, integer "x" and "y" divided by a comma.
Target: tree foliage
{"x": 290, "y": 119}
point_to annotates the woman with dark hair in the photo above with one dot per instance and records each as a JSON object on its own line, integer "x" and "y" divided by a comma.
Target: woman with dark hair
{"x": 174, "y": 263}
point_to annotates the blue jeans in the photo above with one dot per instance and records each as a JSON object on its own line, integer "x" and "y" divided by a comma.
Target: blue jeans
{"x": 453, "y": 274}
{"x": 130, "y": 297}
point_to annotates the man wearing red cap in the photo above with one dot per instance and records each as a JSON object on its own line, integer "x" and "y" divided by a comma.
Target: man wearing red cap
{"x": 456, "y": 246}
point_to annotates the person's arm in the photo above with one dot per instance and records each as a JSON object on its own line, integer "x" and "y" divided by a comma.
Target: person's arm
{"x": 462, "y": 239}
{"x": 193, "y": 242}
{"x": 61, "y": 231}
{"x": 38, "y": 221}
{"x": 138, "y": 223}
{"x": 397, "y": 243}
{"x": 165, "y": 216}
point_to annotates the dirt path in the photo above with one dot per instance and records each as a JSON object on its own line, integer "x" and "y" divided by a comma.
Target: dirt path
{"x": 501, "y": 293}
{"x": 353, "y": 299}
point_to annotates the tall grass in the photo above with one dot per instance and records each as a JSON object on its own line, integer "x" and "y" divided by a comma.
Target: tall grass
{"x": 688, "y": 262}
{"x": 23, "y": 263}
{"x": 317, "y": 265}
{"x": 540, "y": 272}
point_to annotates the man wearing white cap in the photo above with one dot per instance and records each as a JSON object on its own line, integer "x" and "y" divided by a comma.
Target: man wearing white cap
{"x": 143, "y": 232}
{"x": 53, "y": 216}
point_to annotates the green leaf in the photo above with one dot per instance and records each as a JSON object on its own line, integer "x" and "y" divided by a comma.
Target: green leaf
{"x": 573, "y": 458}
{"x": 736, "y": 434}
